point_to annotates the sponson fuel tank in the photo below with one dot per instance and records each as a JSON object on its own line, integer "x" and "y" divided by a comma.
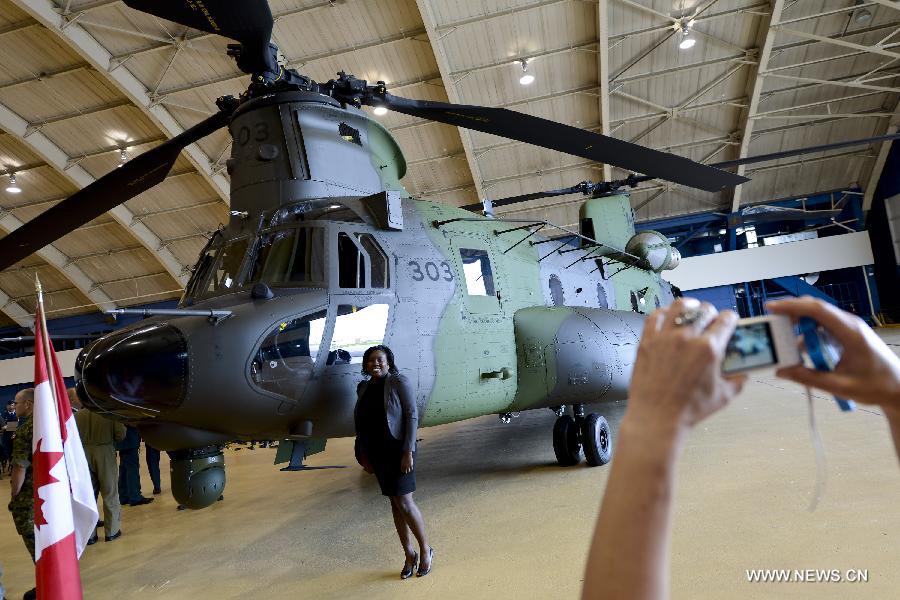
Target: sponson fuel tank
{"x": 574, "y": 355}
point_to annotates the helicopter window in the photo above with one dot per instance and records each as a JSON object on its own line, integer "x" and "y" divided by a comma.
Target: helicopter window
{"x": 350, "y": 134}
{"x": 200, "y": 272}
{"x": 351, "y": 263}
{"x": 602, "y": 302}
{"x": 556, "y": 291}
{"x": 638, "y": 300}
{"x": 355, "y": 329}
{"x": 285, "y": 360}
{"x": 290, "y": 256}
{"x": 477, "y": 269}
{"x": 378, "y": 259}
{"x": 228, "y": 267}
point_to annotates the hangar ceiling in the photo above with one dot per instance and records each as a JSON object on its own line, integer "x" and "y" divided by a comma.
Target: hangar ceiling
{"x": 82, "y": 82}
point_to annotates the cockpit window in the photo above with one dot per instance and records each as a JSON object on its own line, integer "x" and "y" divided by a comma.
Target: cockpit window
{"x": 290, "y": 257}
{"x": 355, "y": 329}
{"x": 197, "y": 282}
{"x": 228, "y": 267}
{"x": 377, "y": 259}
{"x": 351, "y": 263}
{"x": 285, "y": 360}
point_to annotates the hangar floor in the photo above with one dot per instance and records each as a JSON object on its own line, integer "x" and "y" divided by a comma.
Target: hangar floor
{"x": 508, "y": 523}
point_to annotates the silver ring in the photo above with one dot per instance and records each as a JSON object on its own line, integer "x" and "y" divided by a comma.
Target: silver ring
{"x": 687, "y": 317}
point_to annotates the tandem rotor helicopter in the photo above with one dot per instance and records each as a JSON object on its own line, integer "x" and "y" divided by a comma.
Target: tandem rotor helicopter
{"x": 325, "y": 254}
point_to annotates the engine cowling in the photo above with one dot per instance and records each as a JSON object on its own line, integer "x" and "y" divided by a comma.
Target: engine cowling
{"x": 654, "y": 249}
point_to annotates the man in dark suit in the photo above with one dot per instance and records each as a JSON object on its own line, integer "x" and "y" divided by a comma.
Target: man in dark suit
{"x": 130, "y": 469}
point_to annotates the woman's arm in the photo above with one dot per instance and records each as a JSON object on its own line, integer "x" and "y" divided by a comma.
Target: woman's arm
{"x": 868, "y": 372}
{"x": 410, "y": 412}
{"x": 629, "y": 556}
{"x": 677, "y": 383}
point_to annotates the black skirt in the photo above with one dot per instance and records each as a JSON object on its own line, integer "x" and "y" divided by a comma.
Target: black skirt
{"x": 385, "y": 460}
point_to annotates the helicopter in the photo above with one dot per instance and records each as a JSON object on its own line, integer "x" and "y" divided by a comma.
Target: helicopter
{"x": 326, "y": 254}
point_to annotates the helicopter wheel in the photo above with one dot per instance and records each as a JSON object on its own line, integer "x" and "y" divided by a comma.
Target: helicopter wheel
{"x": 565, "y": 441}
{"x": 597, "y": 440}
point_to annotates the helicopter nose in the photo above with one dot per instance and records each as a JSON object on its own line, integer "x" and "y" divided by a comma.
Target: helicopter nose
{"x": 135, "y": 374}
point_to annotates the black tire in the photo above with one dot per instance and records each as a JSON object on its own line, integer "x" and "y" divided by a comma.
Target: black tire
{"x": 597, "y": 440}
{"x": 565, "y": 441}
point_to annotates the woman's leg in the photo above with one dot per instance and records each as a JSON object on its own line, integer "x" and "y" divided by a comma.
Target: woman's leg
{"x": 413, "y": 517}
{"x": 402, "y": 531}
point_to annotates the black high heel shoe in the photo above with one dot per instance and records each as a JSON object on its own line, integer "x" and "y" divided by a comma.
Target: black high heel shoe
{"x": 420, "y": 572}
{"x": 408, "y": 569}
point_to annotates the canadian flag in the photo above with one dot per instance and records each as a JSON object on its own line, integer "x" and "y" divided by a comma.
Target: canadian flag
{"x": 65, "y": 509}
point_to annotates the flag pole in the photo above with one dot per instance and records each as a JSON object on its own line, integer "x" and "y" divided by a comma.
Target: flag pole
{"x": 45, "y": 341}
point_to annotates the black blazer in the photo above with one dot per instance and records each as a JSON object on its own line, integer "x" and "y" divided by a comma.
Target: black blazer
{"x": 399, "y": 408}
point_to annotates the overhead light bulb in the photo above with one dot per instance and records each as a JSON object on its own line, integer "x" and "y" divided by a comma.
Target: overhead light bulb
{"x": 380, "y": 110}
{"x": 12, "y": 188}
{"x": 862, "y": 15}
{"x": 687, "y": 40}
{"x": 526, "y": 78}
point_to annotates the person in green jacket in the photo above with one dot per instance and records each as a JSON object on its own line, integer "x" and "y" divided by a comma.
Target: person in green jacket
{"x": 98, "y": 436}
{"x": 21, "y": 503}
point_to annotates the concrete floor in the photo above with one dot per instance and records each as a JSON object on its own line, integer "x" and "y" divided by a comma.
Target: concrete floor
{"x": 507, "y": 522}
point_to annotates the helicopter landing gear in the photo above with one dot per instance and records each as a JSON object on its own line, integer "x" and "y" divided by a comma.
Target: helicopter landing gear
{"x": 588, "y": 433}
{"x": 597, "y": 440}
{"x": 566, "y": 444}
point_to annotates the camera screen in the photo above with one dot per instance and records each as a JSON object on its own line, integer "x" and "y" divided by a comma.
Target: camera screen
{"x": 750, "y": 347}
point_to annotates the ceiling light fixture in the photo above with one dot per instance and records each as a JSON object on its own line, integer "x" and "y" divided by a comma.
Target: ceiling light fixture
{"x": 526, "y": 78}
{"x": 862, "y": 15}
{"x": 380, "y": 110}
{"x": 687, "y": 40}
{"x": 12, "y": 188}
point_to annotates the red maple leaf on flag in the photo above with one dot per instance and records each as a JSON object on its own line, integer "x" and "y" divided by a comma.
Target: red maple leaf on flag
{"x": 43, "y": 462}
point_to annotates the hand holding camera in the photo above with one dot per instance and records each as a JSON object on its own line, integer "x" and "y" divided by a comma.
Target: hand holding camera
{"x": 868, "y": 371}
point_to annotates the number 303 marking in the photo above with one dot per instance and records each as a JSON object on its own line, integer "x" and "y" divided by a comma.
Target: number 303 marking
{"x": 433, "y": 271}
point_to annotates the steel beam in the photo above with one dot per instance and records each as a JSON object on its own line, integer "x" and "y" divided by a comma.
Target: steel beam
{"x": 754, "y": 10}
{"x": 15, "y": 311}
{"x": 294, "y": 63}
{"x": 603, "y": 74}
{"x": 450, "y": 25}
{"x": 83, "y": 43}
{"x": 443, "y": 63}
{"x": 44, "y": 75}
{"x": 849, "y": 84}
{"x": 834, "y": 11}
{"x": 456, "y": 75}
{"x": 756, "y": 85}
{"x": 803, "y": 35}
{"x": 805, "y": 161}
{"x": 77, "y": 176}
{"x": 17, "y": 126}
{"x": 186, "y": 40}
{"x": 878, "y": 167}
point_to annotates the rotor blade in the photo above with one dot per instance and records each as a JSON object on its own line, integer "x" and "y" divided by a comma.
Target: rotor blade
{"x": 246, "y": 21}
{"x": 776, "y": 155}
{"x": 571, "y": 140}
{"x": 119, "y": 185}
{"x": 526, "y": 197}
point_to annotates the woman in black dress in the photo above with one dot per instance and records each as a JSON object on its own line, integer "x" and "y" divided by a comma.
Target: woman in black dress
{"x": 386, "y": 420}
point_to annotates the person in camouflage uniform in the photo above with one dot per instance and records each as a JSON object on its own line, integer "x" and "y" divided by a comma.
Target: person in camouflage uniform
{"x": 21, "y": 503}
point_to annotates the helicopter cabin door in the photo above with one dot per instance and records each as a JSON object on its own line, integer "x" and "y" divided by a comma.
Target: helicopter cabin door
{"x": 485, "y": 342}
